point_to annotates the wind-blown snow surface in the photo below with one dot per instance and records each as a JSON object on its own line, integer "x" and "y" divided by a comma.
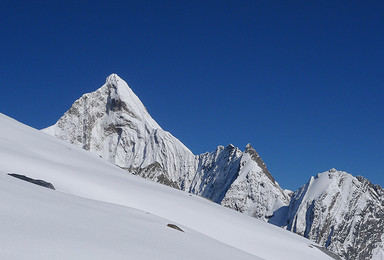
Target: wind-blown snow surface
{"x": 37, "y": 223}
{"x": 79, "y": 220}
{"x": 113, "y": 123}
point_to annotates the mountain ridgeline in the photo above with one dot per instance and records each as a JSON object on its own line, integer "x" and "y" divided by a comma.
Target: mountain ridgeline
{"x": 343, "y": 213}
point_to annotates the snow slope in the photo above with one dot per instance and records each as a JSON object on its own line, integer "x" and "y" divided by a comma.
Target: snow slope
{"x": 87, "y": 186}
{"x": 37, "y": 223}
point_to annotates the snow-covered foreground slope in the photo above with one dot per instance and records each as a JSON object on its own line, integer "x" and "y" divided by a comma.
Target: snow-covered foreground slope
{"x": 112, "y": 123}
{"x": 37, "y": 223}
{"x": 65, "y": 218}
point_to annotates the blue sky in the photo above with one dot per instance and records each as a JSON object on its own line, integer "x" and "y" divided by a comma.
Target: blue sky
{"x": 302, "y": 81}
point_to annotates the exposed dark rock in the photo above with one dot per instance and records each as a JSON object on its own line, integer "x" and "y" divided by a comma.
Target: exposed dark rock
{"x": 34, "y": 181}
{"x": 175, "y": 227}
{"x": 256, "y": 157}
{"x": 153, "y": 172}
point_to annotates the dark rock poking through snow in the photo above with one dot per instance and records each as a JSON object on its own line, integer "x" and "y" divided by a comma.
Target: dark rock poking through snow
{"x": 175, "y": 227}
{"x": 37, "y": 182}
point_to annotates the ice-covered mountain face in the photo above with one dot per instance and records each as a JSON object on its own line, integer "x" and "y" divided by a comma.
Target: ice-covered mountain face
{"x": 341, "y": 212}
{"x": 113, "y": 123}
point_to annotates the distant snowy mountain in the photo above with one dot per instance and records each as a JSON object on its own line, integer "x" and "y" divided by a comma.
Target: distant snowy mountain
{"x": 98, "y": 211}
{"x": 114, "y": 124}
{"x": 341, "y": 212}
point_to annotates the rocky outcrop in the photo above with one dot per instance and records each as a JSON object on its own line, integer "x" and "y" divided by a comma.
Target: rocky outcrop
{"x": 216, "y": 172}
{"x": 255, "y": 192}
{"x": 34, "y": 181}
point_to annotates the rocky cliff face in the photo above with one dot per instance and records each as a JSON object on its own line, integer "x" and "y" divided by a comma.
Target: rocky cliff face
{"x": 215, "y": 172}
{"x": 341, "y": 212}
{"x": 255, "y": 192}
{"x": 113, "y": 123}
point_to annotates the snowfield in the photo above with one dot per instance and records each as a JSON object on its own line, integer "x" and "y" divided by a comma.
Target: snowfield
{"x": 37, "y": 223}
{"x": 100, "y": 211}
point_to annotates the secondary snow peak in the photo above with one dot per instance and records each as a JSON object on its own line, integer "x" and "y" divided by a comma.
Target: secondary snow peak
{"x": 340, "y": 211}
{"x": 255, "y": 157}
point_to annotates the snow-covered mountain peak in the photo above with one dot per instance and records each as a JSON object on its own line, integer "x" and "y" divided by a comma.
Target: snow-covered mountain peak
{"x": 121, "y": 98}
{"x": 338, "y": 210}
{"x": 113, "y": 123}
{"x": 255, "y": 192}
{"x": 113, "y": 79}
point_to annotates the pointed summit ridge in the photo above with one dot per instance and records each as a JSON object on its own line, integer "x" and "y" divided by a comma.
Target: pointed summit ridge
{"x": 113, "y": 79}
{"x": 255, "y": 192}
{"x": 121, "y": 97}
{"x": 256, "y": 157}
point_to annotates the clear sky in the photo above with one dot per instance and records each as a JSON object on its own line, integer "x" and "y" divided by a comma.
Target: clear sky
{"x": 302, "y": 81}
